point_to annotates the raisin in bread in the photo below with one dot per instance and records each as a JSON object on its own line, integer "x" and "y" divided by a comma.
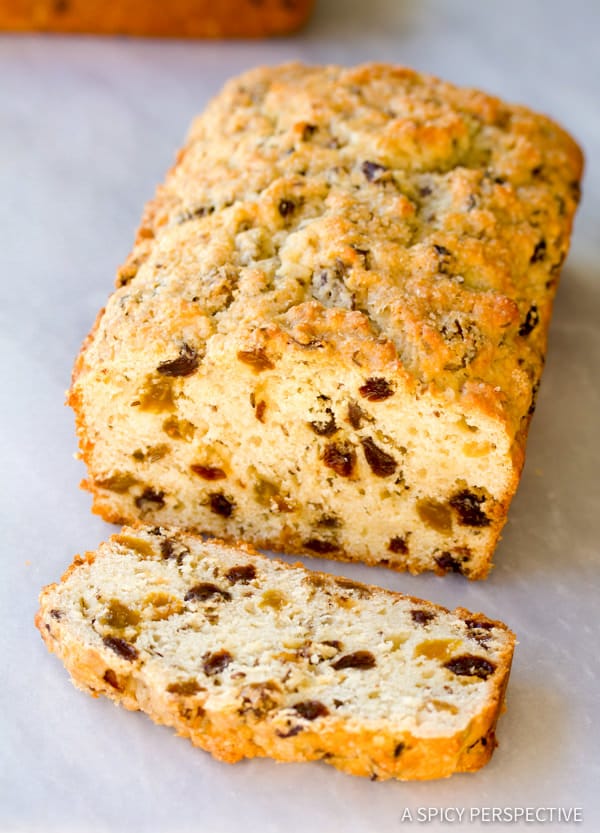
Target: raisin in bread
{"x": 329, "y": 335}
{"x": 249, "y": 656}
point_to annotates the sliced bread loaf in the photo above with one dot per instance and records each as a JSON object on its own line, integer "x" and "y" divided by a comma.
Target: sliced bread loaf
{"x": 329, "y": 335}
{"x": 248, "y": 656}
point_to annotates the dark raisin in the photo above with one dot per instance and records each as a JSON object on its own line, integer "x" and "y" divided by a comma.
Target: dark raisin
{"x": 399, "y": 545}
{"x": 333, "y": 643}
{"x": 448, "y": 563}
{"x": 329, "y": 522}
{"x": 205, "y": 590}
{"x": 399, "y": 749}
{"x": 365, "y": 254}
{"x": 373, "y": 171}
{"x": 376, "y": 388}
{"x": 286, "y": 207}
{"x": 111, "y": 678}
{"x": 425, "y": 191}
{"x": 321, "y": 547}
{"x": 479, "y": 630}
{"x": 534, "y": 393}
{"x": 358, "y": 659}
{"x": 192, "y": 213}
{"x": 308, "y": 131}
{"x": 341, "y": 457}
{"x": 214, "y": 663}
{"x": 292, "y": 732}
{"x": 468, "y": 506}
{"x": 170, "y": 548}
{"x": 184, "y": 365}
{"x": 121, "y": 647}
{"x": 381, "y": 463}
{"x": 347, "y": 584}
{"x": 469, "y": 665}
{"x": 355, "y": 415}
{"x": 208, "y": 472}
{"x": 185, "y": 688}
{"x": 150, "y": 495}
{"x": 444, "y": 255}
{"x": 256, "y": 358}
{"x": 241, "y": 574}
{"x": 327, "y": 427}
{"x": 539, "y": 252}
{"x": 221, "y": 505}
{"x": 56, "y": 614}
{"x": 259, "y": 412}
{"x": 311, "y": 709}
{"x": 479, "y": 624}
{"x": 532, "y": 319}
{"x": 422, "y": 617}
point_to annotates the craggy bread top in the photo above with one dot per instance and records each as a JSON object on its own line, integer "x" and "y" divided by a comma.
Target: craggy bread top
{"x": 398, "y": 221}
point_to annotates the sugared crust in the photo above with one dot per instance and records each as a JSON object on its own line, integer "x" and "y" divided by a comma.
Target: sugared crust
{"x": 369, "y": 218}
{"x": 177, "y": 18}
{"x": 373, "y": 750}
{"x": 469, "y": 222}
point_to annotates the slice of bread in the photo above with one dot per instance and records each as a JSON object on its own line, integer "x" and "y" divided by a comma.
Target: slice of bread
{"x": 248, "y": 656}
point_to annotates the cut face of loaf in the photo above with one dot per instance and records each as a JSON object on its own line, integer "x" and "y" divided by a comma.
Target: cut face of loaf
{"x": 329, "y": 335}
{"x": 248, "y": 656}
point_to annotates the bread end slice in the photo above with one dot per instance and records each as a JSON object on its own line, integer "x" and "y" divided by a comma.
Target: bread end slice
{"x": 248, "y": 656}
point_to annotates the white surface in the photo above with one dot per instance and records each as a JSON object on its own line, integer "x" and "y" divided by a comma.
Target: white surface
{"x": 88, "y": 127}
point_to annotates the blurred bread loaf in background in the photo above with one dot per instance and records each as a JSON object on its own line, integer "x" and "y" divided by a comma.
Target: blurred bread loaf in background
{"x": 154, "y": 18}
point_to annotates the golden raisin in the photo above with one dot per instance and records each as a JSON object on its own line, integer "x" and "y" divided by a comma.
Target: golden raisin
{"x": 437, "y": 648}
{"x": 256, "y": 358}
{"x": 138, "y": 545}
{"x": 435, "y": 514}
{"x": 185, "y": 688}
{"x": 119, "y": 482}
{"x": 179, "y": 429}
{"x": 156, "y": 395}
{"x": 119, "y": 615}
{"x": 273, "y": 598}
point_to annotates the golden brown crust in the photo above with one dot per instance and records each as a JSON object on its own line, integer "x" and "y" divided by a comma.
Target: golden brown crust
{"x": 177, "y": 18}
{"x": 371, "y": 749}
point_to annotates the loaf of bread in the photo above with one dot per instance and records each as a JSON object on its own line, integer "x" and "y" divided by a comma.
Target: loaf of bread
{"x": 248, "y": 656}
{"x": 330, "y": 333}
{"x": 156, "y": 18}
